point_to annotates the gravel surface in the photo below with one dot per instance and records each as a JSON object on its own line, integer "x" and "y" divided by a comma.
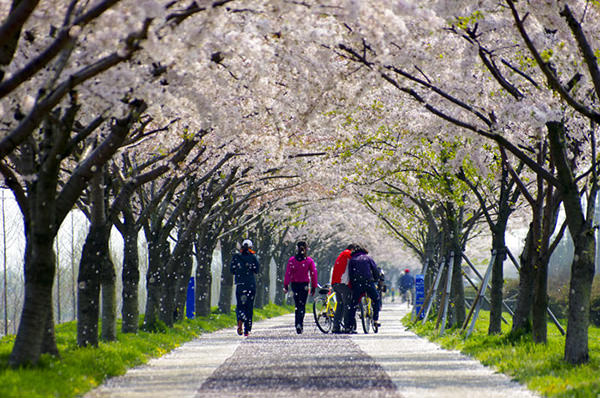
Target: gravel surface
{"x": 276, "y": 362}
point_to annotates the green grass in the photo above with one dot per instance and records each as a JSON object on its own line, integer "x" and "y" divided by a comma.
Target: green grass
{"x": 538, "y": 366}
{"x": 81, "y": 369}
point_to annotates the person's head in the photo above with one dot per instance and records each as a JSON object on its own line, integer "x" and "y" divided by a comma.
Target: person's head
{"x": 359, "y": 249}
{"x": 246, "y": 245}
{"x": 302, "y": 248}
{"x": 406, "y": 271}
{"x": 351, "y": 246}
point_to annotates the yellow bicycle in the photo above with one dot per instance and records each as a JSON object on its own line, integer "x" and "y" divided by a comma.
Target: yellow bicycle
{"x": 324, "y": 310}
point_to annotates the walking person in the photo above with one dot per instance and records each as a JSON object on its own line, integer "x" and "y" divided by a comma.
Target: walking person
{"x": 339, "y": 283}
{"x": 244, "y": 266}
{"x": 301, "y": 276}
{"x": 363, "y": 273}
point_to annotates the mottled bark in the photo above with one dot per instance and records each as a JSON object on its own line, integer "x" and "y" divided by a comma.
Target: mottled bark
{"x": 130, "y": 312}
{"x": 225, "y": 294}
{"x": 108, "y": 288}
{"x": 522, "y": 311}
{"x": 88, "y": 282}
{"x": 203, "y": 280}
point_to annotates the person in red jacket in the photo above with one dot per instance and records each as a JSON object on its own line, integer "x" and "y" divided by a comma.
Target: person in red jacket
{"x": 301, "y": 273}
{"x": 340, "y": 284}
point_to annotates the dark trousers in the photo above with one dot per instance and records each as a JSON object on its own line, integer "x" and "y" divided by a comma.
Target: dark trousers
{"x": 343, "y": 295}
{"x": 245, "y": 305}
{"x": 300, "y": 290}
{"x": 358, "y": 289}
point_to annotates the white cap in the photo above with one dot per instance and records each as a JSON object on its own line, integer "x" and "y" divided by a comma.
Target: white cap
{"x": 247, "y": 242}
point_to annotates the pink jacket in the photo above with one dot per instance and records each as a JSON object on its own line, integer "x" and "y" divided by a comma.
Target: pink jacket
{"x": 300, "y": 271}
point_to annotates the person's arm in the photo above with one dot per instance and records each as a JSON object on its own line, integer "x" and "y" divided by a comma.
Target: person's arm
{"x": 288, "y": 275}
{"x": 232, "y": 265}
{"x": 256, "y": 265}
{"x": 313, "y": 276}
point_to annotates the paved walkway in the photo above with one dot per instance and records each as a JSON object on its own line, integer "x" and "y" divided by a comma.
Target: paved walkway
{"x": 276, "y": 362}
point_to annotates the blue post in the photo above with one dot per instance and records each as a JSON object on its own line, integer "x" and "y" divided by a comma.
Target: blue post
{"x": 419, "y": 293}
{"x": 190, "y": 302}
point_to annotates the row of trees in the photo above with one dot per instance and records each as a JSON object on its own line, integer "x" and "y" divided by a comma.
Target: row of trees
{"x": 513, "y": 89}
{"x": 195, "y": 123}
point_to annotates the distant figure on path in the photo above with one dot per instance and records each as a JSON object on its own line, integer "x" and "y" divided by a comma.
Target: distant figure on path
{"x": 363, "y": 273}
{"x": 244, "y": 266}
{"x": 406, "y": 284}
{"x": 301, "y": 273}
{"x": 339, "y": 283}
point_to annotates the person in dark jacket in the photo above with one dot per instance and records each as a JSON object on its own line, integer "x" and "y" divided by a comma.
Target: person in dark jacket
{"x": 363, "y": 273}
{"x": 406, "y": 284}
{"x": 244, "y": 266}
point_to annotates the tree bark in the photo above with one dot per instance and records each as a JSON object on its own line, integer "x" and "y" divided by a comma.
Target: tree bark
{"x": 227, "y": 248}
{"x": 522, "y": 312}
{"x": 130, "y": 312}
{"x": 88, "y": 292}
{"x": 203, "y": 278}
{"x": 108, "y": 288}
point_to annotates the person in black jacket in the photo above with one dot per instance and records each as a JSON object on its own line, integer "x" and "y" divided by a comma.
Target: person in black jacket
{"x": 244, "y": 266}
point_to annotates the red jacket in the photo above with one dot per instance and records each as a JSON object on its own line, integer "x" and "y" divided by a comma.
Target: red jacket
{"x": 340, "y": 268}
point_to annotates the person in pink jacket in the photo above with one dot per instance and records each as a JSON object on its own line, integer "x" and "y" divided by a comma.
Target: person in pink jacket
{"x": 301, "y": 274}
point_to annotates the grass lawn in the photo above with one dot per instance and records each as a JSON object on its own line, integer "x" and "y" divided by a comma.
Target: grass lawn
{"x": 81, "y": 369}
{"x": 538, "y": 366}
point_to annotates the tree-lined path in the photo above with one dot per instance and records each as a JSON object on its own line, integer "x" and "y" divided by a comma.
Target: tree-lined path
{"x": 276, "y": 362}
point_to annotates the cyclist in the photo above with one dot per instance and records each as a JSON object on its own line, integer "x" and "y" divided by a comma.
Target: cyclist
{"x": 339, "y": 283}
{"x": 301, "y": 273}
{"x": 406, "y": 283}
{"x": 244, "y": 266}
{"x": 363, "y": 273}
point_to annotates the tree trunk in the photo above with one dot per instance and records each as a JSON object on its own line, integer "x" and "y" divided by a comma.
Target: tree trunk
{"x": 499, "y": 245}
{"x": 88, "y": 292}
{"x": 154, "y": 279}
{"x": 130, "y": 312}
{"x": 540, "y": 301}
{"x": 109, "y": 299}
{"x": 37, "y": 305}
{"x": 522, "y": 312}
{"x": 227, "y": 248}
{"x": 203, "y": 278}
{"x": 582, "y": 275}
{"x": 183, "y": 278}
{"x": 582, "y": 231}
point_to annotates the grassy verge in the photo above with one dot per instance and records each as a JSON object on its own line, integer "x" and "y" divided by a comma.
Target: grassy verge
{"x": 81, "y": 369}
{"x": 538, "y": 366}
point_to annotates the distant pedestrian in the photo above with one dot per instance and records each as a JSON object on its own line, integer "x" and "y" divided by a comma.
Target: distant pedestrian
{"x": 363, "y": 274}
{"x": 244, "y": 266}
{"x": 406, "y": 284}
{"x": 301, "y": 274}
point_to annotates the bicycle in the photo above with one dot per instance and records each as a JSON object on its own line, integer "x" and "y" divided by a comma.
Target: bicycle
{"x": 365, "y": 305}
{"x": 324, "y": 310}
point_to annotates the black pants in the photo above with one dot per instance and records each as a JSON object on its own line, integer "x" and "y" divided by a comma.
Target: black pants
{"x": 245, "y": 305}
{"x": 300, "y": 290}
{"x": 343, "y": 295}
{"x": 358, "y": 289}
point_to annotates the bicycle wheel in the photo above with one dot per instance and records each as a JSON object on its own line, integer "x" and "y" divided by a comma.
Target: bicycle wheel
{"x": 365, "y": 320}
{"x": 322, "y": 319}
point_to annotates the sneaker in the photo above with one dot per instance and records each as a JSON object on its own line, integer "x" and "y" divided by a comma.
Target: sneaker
{"x": 299, "y": 329}
{"x": 377, "y": 324}
{"x": 239, "y": 329}
{"x": 246, "y": 334}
